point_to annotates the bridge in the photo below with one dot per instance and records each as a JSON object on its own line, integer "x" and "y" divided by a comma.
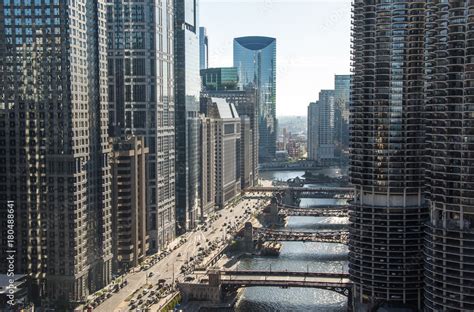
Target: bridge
{"x": 218, "y": 282}
{"x": 338, "y": 237}
{"x": 316, "y": 211}
{"x": 305, "y": 192}
{"x": 338, "y": 282}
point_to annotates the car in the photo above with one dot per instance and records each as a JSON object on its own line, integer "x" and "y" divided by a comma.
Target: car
{"x": 179, "y": 255}
{"x": 150, "y": 274}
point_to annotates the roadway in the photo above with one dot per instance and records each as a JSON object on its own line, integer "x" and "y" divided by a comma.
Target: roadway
{"x": 196, "y": 242}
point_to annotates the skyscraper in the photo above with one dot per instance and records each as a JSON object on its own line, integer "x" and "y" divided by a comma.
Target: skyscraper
{"x": 387, "y": 144}
{"x": 223, "y": 83}
{"x": 129, "y": 215}
{"x": 223, "y": 117}
{"x": 449, "y": 112}
{"x": 220, "y": 79}
{"x": 255, "y": 59}
{"x": 54, "y": 145}
{"x": 141, "y": 99}
{"x": 203, "y": 48}
{"x": 321, "y": 127}
{"x": 342, "y": 93}
{"x": 188, "y": 88}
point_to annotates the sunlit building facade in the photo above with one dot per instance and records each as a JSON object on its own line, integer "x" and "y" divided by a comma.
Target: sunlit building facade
{"x": 141, "y": 99}
{"x": 321, "y": 130}
{"x": 387, "y": 155}
{"x": 255, "y": 60}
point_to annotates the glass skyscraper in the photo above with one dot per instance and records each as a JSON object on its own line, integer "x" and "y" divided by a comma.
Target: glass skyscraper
{"x": 342, "y": 92}
{"x": 387, "y": 150}
{"x": 188, "y": 88}
{"x": 203, "y": 48}
{"x": 218, "y": 79}
{"x": 141, "y": 99}
{"x": 255, "y": 60}
{"x": 54, "y": 147}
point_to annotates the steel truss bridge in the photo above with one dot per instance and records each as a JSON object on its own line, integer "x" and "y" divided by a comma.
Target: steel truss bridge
{"x": 337, "y": 282}
{"x": 306, "y": 192}
{"x": 318, "y": 211}
{"x": 339, "y": 237}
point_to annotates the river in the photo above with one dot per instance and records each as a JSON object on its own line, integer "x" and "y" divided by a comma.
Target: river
{"x": 295, "y": 256}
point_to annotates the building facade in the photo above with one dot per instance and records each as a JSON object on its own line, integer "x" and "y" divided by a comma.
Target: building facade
{"x": 208, "y": 166}
{"x": 255, "y": 60}
{"x": 203, "y": 48}
{"x": 245, "y": 153}
{"x": 188, "y": 88}
{"x": 387, "y": 149}
{"x": 449, "y": 125}
{"x": 141, "y": 99}
{"x": 220, "y": 79}
{"x": 224, "y": 118}
{"x": 321, "y": 138}
{"x": 246, "y": 104}
{"x": 54, "y": 146}
{"x": 129, "y": 202}
{"x": 342, "y": 93}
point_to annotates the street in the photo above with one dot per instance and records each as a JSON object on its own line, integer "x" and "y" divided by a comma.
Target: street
{"x": 135, "y": 295}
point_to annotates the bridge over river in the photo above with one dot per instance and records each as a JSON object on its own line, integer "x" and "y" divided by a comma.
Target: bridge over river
{"x": 264, "y": 234}
{"x": 218, "y": 282}
{"x": 322, "y": 211}
{"x": 305, "y": 192}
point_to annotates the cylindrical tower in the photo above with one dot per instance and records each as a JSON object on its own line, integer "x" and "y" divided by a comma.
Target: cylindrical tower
{"x": 449, "y": 242}
{"x": 388, "y": 210}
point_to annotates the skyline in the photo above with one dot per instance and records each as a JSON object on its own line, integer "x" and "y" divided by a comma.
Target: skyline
{"x": 300, "y": 76}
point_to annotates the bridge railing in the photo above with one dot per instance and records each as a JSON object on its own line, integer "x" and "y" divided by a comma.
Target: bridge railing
{"x": 285, "y": 273}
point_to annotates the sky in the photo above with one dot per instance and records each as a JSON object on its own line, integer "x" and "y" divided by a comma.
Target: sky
{"x": 313, "y": 42}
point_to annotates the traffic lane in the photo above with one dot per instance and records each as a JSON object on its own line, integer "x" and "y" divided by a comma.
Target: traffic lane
{"x": 137, "y": 280}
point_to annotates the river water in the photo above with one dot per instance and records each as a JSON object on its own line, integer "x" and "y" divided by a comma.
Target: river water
{"x": 296, "y": 256}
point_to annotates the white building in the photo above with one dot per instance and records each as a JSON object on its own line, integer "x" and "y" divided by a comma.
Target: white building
{"x": 321, "y": 127}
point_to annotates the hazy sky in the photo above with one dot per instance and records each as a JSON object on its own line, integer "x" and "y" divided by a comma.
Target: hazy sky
{"x": 313, "y": 42}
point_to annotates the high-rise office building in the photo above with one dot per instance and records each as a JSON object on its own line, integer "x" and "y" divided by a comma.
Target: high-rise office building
{"x": 223, "y": 83}
{"x": 220, "y": 78}
{"x": 387, "y": 149}
{"x": 223, "y": 117}
{"x": 449, "y": 116}
{"x": 203, "y": 48}
{"x": 141, "y": 99}
{"x": 188, "y": 88}
{"x": 129, "y": 202}
{"x": 246, "y": 150}
{"x": 321, "y": 138}
{"x": 255, "y": 60}
{"x": 207, "y": 188}
{"x": 54, "y": 146}
{"x": 342, "y": 93}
